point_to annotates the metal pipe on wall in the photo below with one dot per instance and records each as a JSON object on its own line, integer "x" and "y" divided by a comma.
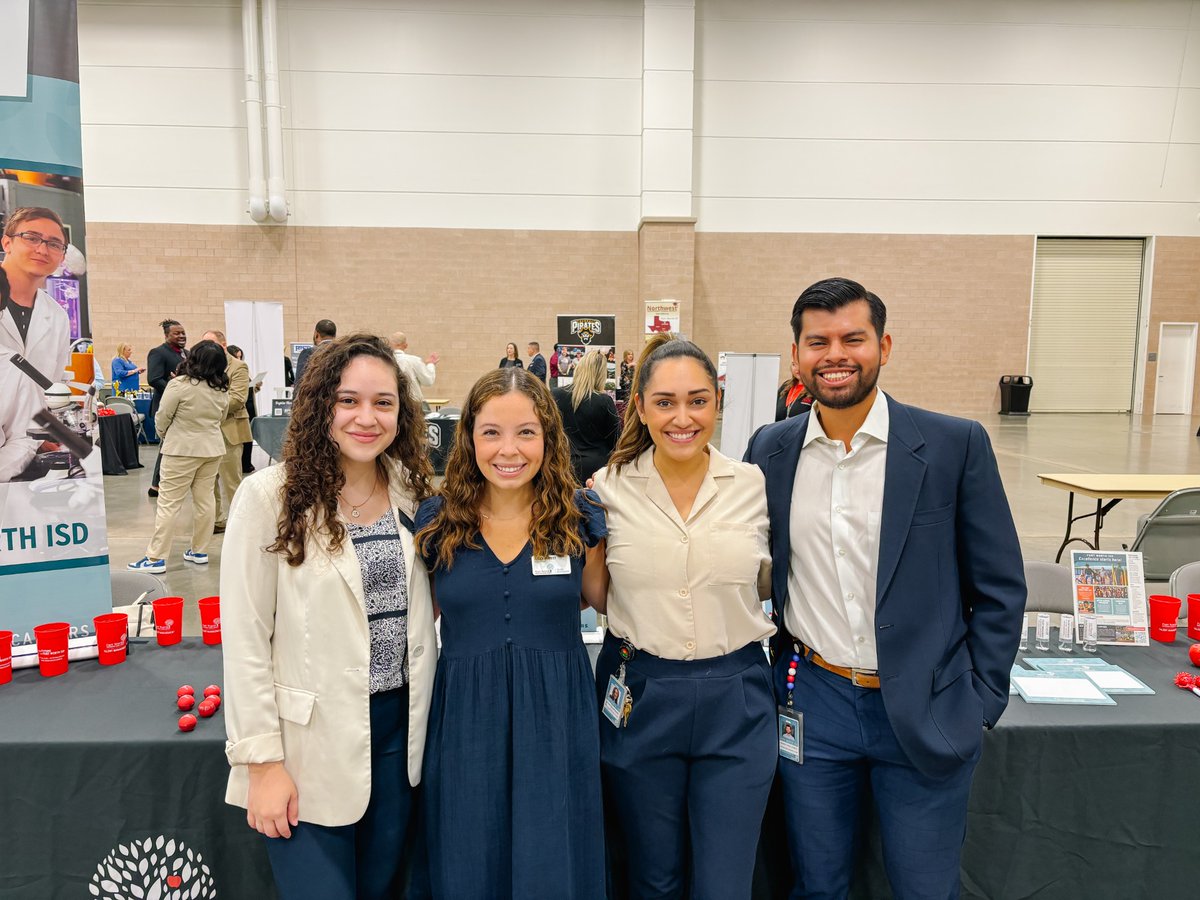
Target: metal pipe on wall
{"x": 254, "y": 142}
{"x": 276, "y": 187}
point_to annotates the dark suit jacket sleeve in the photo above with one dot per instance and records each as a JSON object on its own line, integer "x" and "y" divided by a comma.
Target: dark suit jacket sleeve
{"x": 537, "y": 366}
{"x": 156, "y": 369}
{"x": 991, "y": 574}
{"x": 302, "y": 361}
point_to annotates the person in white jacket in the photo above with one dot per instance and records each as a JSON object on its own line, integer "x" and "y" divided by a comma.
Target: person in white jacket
{"x": 327, "y": 626}
{"x": 418, "y": 372}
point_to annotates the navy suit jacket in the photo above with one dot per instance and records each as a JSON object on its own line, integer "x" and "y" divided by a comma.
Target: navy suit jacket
{"x": 950, "y": 590}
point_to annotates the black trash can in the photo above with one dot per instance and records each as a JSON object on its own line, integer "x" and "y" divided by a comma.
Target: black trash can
{"x": 440, "y": 437}
{"x": 1014, "y": 394}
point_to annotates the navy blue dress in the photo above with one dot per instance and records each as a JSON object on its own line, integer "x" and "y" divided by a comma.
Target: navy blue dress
{"x": 512, "y": 760}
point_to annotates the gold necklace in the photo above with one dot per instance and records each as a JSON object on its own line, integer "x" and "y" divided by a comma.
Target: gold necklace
{"x": 354, "y": 509}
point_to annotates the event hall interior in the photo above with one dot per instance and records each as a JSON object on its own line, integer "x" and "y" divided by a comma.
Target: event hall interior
{"x": 1018, "y": 180}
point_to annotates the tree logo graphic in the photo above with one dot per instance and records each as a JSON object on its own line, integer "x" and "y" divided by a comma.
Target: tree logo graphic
{"x": 156, "y": 868}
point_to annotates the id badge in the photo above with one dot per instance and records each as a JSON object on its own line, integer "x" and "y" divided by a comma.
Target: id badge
{"x": 552, "y": 565}
{"x": 791, "y": 734}
{"x": 614, "y": 701}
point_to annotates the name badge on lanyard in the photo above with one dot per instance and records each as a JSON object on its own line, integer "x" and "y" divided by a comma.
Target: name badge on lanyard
{"x": 552, "y": 565}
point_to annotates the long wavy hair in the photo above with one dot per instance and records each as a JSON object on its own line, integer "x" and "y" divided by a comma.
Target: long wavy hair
{"x": 590, "y": 375}
{"x": 312, "y": 465}
{"x": 206, "y": 362}
{"x": 554, "y": 529}
{"x": 635, "y": 436}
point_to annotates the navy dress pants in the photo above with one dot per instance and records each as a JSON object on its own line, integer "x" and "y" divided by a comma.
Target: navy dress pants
{"x": 849, "y": 745}
{"x": 363, "y": 861}
{"x": 686, "y": 780}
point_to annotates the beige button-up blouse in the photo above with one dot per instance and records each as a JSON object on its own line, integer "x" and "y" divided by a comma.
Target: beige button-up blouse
{"x": 687, "y": 589}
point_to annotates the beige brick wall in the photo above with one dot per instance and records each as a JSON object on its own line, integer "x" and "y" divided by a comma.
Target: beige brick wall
{"x": 958, "y": 306}
{"x": 1175, "y": 292}
{"x": 666, "y": 271}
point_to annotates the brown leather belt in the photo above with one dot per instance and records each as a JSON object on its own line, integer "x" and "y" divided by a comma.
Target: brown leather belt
{"x": 863, "y": 678}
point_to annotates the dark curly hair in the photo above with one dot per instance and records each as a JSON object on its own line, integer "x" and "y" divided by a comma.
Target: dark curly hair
{"x": 554, "y": 528}
{"x": 635, "y": 436}
{"x": 312, "y": 460}
{"x": 206, "y": 362}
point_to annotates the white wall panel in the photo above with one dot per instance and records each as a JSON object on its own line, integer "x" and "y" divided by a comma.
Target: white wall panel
{"x": 162, "y": 96}
{"x": 169, "y": 35}
{"x": 666, "y": 160}
{"x": 338, "y": 39}
{"x": 667, "y": 98}
{"x": 939, "y": 111}
{"x": 514, "y": 105}
{"x": 166, "y": 156}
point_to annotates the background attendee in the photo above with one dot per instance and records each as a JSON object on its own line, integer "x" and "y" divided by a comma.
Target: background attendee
{"x": 189, "y": 422}
{"x": 688, "y": 771}
{"x": 31, "y": 322}
{"x": 161, "y": 364}
{"x": 511, "y": 358}
{"x": 792, "y": 398}
{"x": 553, "y": 363}
{"x": 235, "y": 429}
{"x": 537, "y": 362}
{"x": 589, "y": 416}
{"x": 251, "y": 411}
{"x": 416, "y": 371}
{"x": 625, "y": 375}
{"x": 899, "y": 585}
{"x": 323, "y": 332}
{"x": 125, "y": 371}
{"x": 328, "y": 632}
{"x": 513, "y": 752}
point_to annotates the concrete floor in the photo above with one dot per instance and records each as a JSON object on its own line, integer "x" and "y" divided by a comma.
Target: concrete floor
{"x": 1024, "y": 447}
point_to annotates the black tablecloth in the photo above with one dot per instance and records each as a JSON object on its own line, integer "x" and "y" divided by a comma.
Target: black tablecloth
{"x": 118, "y": 444}
{"x": 1068, "y": 801}
{"x": 92, "y": 763}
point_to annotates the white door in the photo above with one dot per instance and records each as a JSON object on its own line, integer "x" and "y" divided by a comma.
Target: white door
{"x": 1176, "y": 368}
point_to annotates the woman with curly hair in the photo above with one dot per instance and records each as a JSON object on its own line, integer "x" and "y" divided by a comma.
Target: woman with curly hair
{"x": 189, "y": 421}
{"x": 513, "y": 751}
{"x": 328, "y": 630}
{"x": 688, "y": 766}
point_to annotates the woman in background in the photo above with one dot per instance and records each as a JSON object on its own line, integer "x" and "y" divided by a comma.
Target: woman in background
{"x": 125, "y": 371}
{"x": 189, "y": 423}
{"x": 589, "y": 416}
{"x": 688, "y": 762}
{"x": 512, "y": 795}
{"x": 625, "y": 379}
{"x": 792, "y": 398}
{"x": 328, "y": 631}
{"x": 251, "y": 409}
{"x": 511, "y": 358}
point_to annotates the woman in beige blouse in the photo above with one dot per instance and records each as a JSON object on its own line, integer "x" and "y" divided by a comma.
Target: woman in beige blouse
{"x": 688, "y": 744}
{"x": 189, "y": 422}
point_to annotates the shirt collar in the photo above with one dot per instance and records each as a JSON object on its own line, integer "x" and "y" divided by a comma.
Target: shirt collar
{"x": 719, "y": 465}
{"x": 876, "y": 424}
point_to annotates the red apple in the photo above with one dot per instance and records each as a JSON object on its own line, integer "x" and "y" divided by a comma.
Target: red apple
{"x": 207, "y": 708}
{"x": 186, "y": 689}
{"x": 187, "y": 701}
{"x": 187, "y": 722}
{"x": 211, "y": 690}
{"x": 1194, "y": 654}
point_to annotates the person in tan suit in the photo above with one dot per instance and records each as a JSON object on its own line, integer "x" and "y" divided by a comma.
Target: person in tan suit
{"x": 189, "y": 421}
{"x": 235, "y": 429}
{"x": 327, "y": 625}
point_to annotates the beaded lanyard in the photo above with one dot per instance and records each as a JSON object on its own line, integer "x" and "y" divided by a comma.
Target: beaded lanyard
{"x": 791, "y": 673}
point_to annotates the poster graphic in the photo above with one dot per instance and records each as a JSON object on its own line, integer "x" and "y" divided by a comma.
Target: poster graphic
{"x": 577, "y": 335}
{"x": 662, "y": 316}
{"x": 1110, "y": 586}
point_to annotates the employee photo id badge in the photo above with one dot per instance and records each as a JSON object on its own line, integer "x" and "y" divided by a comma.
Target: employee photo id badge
{"x": 614, "y": 701}
{"x": 791, "y": 735}
{"x": 552, "y": 565}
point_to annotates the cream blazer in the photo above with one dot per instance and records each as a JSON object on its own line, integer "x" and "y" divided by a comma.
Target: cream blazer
{"x": 298, "y": 657}
{"x": 189, "y": 418}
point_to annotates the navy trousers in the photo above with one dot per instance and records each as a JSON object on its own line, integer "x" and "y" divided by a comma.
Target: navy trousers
{"x": 688, "y": 777}
{"x": 363, "y": 861}
{"x": 848, "y": 745}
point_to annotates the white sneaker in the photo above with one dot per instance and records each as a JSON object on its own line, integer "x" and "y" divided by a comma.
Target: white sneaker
{"x": 146, "y": 564}
{"x": 200, "y": 559}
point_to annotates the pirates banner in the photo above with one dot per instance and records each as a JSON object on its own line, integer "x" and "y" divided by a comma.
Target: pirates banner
{"x": 577, "y": 335}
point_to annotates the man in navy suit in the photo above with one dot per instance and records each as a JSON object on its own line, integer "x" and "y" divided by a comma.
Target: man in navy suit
{"x": 900, "y": 590}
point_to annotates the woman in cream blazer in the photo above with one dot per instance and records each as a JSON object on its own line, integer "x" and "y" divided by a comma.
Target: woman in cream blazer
{"x": 306, "y": 714}
{"x": 189, "y": 420}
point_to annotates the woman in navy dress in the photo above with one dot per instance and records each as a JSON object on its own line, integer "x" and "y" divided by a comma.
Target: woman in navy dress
{"x": 512, "y": 798}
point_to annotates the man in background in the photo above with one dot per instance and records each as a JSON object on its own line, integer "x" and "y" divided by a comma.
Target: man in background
{"x": 537, "y": 362}
{"x": 235, "y": 429}
{"x": 417, "y": 371}
{"x": 161, "y": 364}
{"x": 324, "y": 332}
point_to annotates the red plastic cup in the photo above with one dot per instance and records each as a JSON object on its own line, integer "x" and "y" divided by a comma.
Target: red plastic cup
{"x": 168, "y": 620}
{"x": 210, "y": 619}
{"x": 1164, "y": 617}
{"x": 52, "y": 647}
{"x": 112, "y": 637}
{"x": 5, "y": 656}
{"x": 1193, "y": 628}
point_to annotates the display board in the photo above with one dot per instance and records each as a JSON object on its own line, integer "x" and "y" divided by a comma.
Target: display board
{"x": 577, "y": 334}
{"x": 750, "y": 384}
